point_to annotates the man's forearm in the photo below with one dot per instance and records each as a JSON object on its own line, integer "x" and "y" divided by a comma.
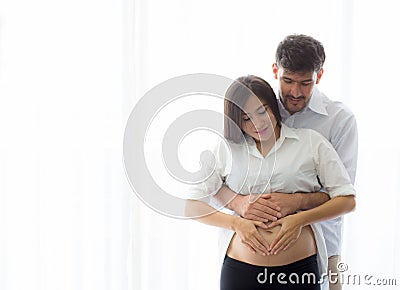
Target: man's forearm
{"x": 278, "y": 202}
{"x": 225, "y": 197}
{"x": 311, "y": 200}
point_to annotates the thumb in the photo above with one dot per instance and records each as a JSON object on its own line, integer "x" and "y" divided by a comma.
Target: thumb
{"x": 261, "y": 225}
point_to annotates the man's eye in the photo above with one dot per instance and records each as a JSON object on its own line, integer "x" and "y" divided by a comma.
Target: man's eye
{"x": 306, "y": 84}
{"x": 287, "y": 81}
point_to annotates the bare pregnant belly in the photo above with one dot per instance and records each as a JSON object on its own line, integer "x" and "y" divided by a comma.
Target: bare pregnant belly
{"x": 304, "y": 247}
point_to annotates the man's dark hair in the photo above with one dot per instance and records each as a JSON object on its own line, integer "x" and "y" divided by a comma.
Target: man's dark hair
{"x": 300, "y": 53}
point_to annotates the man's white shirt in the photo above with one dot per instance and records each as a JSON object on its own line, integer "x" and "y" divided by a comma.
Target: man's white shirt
{"x": 337, "y": 124}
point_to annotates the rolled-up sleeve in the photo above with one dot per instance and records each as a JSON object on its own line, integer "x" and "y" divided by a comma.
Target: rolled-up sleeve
{"x": 330, "y": 169}
{"x": 212, "y": 172}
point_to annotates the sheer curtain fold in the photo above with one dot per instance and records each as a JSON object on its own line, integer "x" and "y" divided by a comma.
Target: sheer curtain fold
{"x": 64, "y": 214}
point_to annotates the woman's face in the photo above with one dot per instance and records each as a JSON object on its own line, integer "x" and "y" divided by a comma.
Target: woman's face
{"x": 258, "y": 120}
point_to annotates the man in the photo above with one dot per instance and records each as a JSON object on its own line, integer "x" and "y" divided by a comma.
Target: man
{"x": 298, "y": 68}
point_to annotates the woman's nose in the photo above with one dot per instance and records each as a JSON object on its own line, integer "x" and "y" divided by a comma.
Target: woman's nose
{"x": 259, "y": 122}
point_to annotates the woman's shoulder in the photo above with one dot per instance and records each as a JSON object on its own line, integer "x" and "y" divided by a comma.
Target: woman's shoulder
{"x": 311, "y": 134}
{"x": 224, "y": 147}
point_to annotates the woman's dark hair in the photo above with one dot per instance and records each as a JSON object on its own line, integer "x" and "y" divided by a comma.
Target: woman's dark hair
{"x": 300, "y": 53}
{"x": 235, "y": 98}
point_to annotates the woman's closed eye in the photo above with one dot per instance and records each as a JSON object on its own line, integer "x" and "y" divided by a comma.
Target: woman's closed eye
{"x": 262, "y": 111}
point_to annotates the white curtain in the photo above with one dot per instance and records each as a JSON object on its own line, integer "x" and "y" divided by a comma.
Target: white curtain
{"x": 64, "y": 198}
{"x": 234, "y": 38}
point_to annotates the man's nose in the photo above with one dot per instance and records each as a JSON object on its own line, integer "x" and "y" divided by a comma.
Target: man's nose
{"x": 295, "y": 90}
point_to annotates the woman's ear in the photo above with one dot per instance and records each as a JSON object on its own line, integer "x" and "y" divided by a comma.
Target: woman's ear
{"x": 275, "y": 70}
{"x": 319, "y": 75}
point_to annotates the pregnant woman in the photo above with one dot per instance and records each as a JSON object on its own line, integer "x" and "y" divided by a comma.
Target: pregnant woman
{"x": 261, "y": 154}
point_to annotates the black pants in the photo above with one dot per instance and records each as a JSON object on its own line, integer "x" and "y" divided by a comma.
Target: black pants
{"x": 300, "y": 275}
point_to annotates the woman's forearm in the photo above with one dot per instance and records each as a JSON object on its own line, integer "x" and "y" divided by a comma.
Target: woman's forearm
{"x": 331, "y": 209}
{"x": 208, "y": 215}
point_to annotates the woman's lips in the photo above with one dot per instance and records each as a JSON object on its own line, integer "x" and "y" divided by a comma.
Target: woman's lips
{"x": 262, "y": 132}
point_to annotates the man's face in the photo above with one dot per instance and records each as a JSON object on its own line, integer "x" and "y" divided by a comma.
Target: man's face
{"x": 295, "y": 88}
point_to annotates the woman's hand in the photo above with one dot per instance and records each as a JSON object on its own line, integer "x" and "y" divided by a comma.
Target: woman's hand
{"x": 249, "y": 235}
{"x": 291, "y": 226}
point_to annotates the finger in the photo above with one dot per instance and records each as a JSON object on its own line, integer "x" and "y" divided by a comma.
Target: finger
{"x": 250, "y": 248}
{"x": 268, "y": 205}
{"x": 263, "y": 211}
{"x": 289, "y": 245}
{"x": 256, "y": 247}
{"x": 274, "y": 224}
{"x": 260, "y": 211}
{"x": 280, "y": 249}
{"x": 258, "y": 240}
{"x": 268, "y": 209}
{"x": 280, "y": 244}
{"x": 261, "y": 244}
{"x": 259, "y": 247}
{"x": 261, "y": 225}
{"x": 256, "y": 215}
{"x": 276, "y": 241}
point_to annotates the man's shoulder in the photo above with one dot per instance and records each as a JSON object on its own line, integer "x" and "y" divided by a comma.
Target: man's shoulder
{"x": 334, "y": 107}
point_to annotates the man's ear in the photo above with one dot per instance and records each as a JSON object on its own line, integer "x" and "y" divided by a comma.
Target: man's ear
{"x": 275, "y": 70}
{"x": 319, "y": 75}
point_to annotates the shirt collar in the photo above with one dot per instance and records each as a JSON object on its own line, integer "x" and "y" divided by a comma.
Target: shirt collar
{"x": 286, "y": 133}
{"x": 316, "y": 104}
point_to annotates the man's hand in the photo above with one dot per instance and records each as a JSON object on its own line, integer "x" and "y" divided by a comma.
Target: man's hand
{"x": 269, "y": 206}
{"x": 260, "y": 209}
{"x": 287, "y": 203}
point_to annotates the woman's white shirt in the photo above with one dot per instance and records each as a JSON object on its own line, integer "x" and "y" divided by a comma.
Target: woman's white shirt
{"x": 301, "y": 160}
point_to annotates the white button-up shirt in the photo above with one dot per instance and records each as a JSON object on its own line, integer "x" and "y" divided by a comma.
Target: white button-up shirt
{"x": 337, "y": 124}
{"x": 299, "y": 158}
